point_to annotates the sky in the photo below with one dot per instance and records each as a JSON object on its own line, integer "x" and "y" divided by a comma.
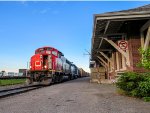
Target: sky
{"x": 66, "y": 26}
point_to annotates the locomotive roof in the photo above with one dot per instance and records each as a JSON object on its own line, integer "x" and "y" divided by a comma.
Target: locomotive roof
{"x": 51, "y": 48}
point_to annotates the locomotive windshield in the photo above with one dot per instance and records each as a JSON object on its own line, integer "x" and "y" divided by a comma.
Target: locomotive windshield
{"x": 43, "y": 50}
{"x": 54, "y": 53}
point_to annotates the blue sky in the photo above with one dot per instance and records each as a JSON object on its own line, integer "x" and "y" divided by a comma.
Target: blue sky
{"x": 67, "y": 26}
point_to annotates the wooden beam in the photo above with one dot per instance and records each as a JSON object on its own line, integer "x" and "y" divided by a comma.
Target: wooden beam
{"x": 142, "y": 39}
{"x": 105, "y": 57}
{"x": 102, "y": 60}
{"x": 123, "y": 17}
{"x": 100, "y": 43}
{"x": 147, "y": 40}
{"x": 103, "y": 65}
{"x": 108, "y": 50}
{"x": 145, "y": 26}
{"x": 116, "y": 47}
{"x": 106, "y": 27}
{"x": 106, "y": 35}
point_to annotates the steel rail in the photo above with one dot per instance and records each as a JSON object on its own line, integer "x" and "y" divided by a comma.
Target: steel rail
{"x": 13, "y": 91}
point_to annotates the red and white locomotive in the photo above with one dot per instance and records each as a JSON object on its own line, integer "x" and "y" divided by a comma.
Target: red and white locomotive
{"x": 49, "y": 65}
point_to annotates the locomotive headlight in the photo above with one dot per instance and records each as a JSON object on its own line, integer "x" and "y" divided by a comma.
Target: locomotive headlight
{"x": 45, "y": 66}
{"x": 30, "y": 67}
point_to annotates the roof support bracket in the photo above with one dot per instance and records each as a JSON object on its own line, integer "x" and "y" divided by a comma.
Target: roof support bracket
{"x": 103, "y": 65}
{"x": 104, "y": 55}
{"x": 145, "y": 26}
{"x": 125, "y": 54}
{"x": 147, "y": 40}
{"x": 102, "y": 61}
{"x": 116, "y": 47}
{"x": 108, "y": 59}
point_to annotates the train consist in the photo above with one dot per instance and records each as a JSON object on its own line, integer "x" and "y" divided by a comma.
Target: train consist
{"x": 48, "y": 65}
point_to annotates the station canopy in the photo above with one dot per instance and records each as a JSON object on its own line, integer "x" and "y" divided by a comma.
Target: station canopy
{"x": 114, "y": 26}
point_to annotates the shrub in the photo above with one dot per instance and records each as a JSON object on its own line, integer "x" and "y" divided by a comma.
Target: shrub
{"x": 134, "y": 84}
{"x": 135, "y": 93}
{"x": 129, "y": 81}
{"x": 144, "y": 88}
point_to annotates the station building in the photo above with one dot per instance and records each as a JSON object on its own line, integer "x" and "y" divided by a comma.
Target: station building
{"x": 116, "y": 38}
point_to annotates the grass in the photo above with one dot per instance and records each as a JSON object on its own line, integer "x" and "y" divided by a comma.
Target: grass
{"x": 146, "y": 99}
{"x": 11, "y": 82}
{"x": 120, "y": 91}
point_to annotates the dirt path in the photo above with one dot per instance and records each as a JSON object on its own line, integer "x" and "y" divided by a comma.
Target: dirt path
{"x": 77, "y": 96}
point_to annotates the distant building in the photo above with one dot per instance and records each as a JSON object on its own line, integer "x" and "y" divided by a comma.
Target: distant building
{"x": 22, "y": 72}
{"x": 2, "y": 73}
{"x": 12, "y": 74}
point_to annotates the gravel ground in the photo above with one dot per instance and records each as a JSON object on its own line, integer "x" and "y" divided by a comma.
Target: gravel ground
{"x": 77, "y": 96}
{"x": 12, "y": 86}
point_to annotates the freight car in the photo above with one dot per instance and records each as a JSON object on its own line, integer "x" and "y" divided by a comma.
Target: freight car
{"x": 83, "y": 73}
{"x": 48, "y": 65}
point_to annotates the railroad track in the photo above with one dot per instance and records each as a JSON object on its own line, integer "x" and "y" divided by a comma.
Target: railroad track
{"x": 13, "y": 77}
{"x": 13, "y": 91}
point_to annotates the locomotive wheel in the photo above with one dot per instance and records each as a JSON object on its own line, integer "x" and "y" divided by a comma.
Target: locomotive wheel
{"x": 58, "y": 79}
{"x": 28, "y": 81}
{"x": 46, "y": 81}
{"x": 61, "y": 79}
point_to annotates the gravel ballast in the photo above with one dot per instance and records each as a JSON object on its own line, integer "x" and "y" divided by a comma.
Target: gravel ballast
{"x": 76, "y": 96}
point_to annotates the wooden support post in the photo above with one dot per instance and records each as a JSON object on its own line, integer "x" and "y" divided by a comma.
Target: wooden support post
{"x": 113, "y": 61}
{"x": 123, "y": 63}
{"x": 127, "y": 59}
{"x": 147, "y": 40}
{"x": 117, "y": 60}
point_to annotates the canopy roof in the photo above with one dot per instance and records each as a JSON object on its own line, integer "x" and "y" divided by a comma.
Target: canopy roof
{"x": 115, "y": 25}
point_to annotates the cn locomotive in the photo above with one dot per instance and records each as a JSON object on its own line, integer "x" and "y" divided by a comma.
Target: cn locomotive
{"x": 48, "y": 65}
